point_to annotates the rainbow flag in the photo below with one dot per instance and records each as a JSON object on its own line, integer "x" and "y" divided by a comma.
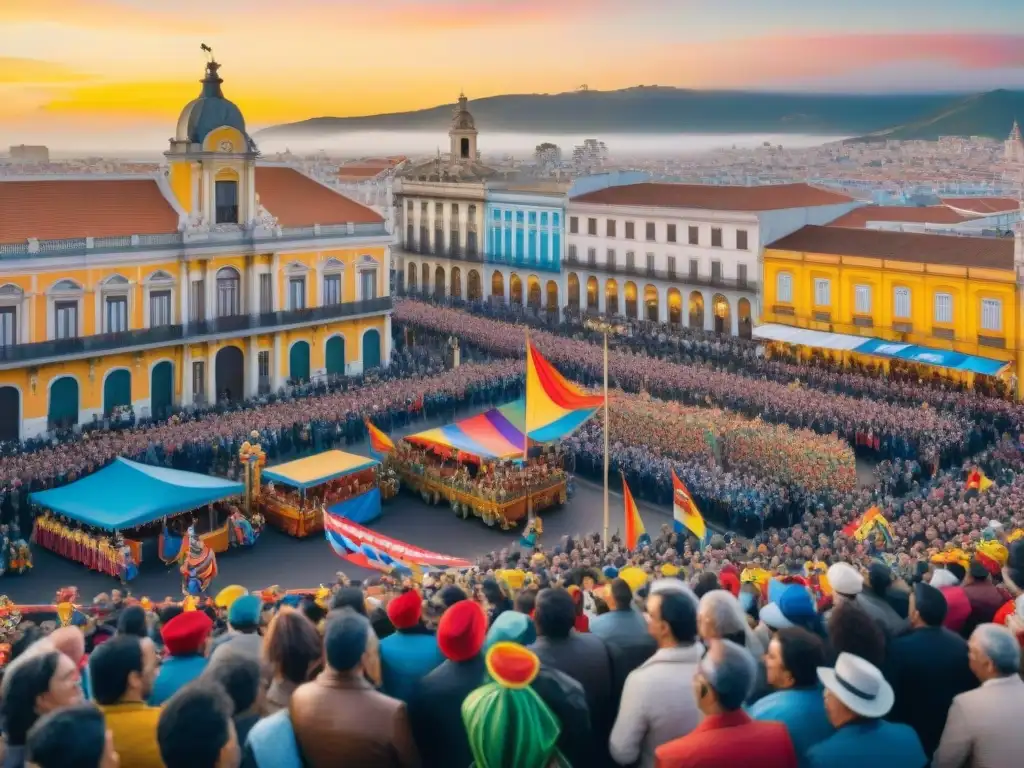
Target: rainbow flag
{"x": 871, "y": 520}
{"x": 554, "y": 405}
{"x": 380, "y": 443}
{"x": 636, "y": 534}
{"x": 686, "y": 516}
{"x": 977, "y": 481}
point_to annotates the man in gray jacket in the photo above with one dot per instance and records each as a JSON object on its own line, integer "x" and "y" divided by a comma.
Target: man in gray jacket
{"x": 658, "y": 704}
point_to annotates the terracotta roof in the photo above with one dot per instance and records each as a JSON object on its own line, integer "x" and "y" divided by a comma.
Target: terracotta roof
{"x": 951, "y": 250}
{"x": 361, "y": 171}
{"x": 715, "y": 198}
{"x": 298, "y": 201}
{"x": 982, "y": 205}
{"x": 916, "y": 214}
{"x": 64, "y": 209}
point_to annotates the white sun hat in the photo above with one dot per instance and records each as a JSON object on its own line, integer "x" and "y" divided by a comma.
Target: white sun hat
{"x": 859, "y": 685}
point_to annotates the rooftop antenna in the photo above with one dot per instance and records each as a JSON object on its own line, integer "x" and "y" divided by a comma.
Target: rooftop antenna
{"x": 207, "y": 50}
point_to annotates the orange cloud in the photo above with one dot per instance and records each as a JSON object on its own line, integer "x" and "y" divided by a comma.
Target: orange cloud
{"x": 95, "y": 14}
{"x": 444, "y": 15}
{"x": 19, "y": 71}
{"x": 769, "y": 60}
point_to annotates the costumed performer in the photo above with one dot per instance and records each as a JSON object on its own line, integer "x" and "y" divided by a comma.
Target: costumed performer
{"x": 198, "y": 566}
{"x": 507, "y": 722}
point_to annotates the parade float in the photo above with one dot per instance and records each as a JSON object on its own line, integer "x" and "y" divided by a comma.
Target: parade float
{"x": 293, "y": 496}
{"x": 502, "y": 466}
{"x": 127, "y": 514}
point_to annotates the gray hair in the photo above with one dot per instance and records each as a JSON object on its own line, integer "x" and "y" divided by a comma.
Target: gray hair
{"x": 731, "y": 671}
{"x": 1000, "y": 645}
{"x": 725, "y": 612}
{"x": 662, "y": 586}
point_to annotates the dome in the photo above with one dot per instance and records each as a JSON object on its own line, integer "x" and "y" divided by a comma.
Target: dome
{"x": 462, "y": 120}
{"x": 210, "y": 111}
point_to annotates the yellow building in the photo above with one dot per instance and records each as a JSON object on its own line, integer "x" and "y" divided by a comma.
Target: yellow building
{"x": 940, "y": 293}
{"x": 221, "y": 278}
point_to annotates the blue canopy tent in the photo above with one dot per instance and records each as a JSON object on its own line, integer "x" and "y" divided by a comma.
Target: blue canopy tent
{"x": 126, "y": 494}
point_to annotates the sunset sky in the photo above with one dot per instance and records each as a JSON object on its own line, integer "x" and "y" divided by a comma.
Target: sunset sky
{"x": 95, "y": 65}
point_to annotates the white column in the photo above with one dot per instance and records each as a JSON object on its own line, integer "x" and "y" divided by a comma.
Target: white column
{"x": 252, "y": 370}
{"x": 386, "y": 342}
{"x": 252, "y": 281}
{"x": 187, "y": 395}
{"x": 416, "y": 217}
{"x": 446, "y": 225}
{"x": 463, "y": 227}
{"x": 734, "y": 317}
{"x": 184, "y": 289}
{"x": 210, "y": 286}
{"x": 709, "y": 311}
{"x": 663, "y": 304}
{"x": 276, "y": 379}
{"x": 538, "y": 253}
{"x": 275, "y": 288}
{"x": 211, "y": 373}
{"x": 430, "y": 225}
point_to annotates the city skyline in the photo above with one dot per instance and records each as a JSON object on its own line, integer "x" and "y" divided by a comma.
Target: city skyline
{"x": 91, "y": 66}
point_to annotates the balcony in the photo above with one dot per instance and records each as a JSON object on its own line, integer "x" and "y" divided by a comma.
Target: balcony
{"x": 238, "y": 325}
{"x": 457, "y": 254}
{"x": 251, "y": 240}
{"x": 671, "y": 276}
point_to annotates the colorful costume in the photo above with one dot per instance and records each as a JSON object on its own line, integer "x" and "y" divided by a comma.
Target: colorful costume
{"x": 508, "y": 724}
{"x": 199, "y": 565}
{"x": 242, "y": 532}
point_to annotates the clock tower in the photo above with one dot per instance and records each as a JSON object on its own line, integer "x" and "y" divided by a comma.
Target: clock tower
{"x": 212, "y": 160}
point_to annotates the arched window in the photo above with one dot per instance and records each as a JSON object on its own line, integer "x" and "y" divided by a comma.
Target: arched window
{"x": 115, "y": 299}
{"x": 784, "y": 288}
{"x": 160, "y": 297}
{"x": 333, "y": 272}
{"x": 65, "y": 299}
{"x": 11, "y": 297}
{"x": 366, "y": 270}
{"x": 901, "y": 302}
{"x": 229, "y": 299}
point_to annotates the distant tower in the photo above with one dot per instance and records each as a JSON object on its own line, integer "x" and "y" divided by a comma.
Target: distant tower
{"x": 1015, "y": 145}
{"x": 463, "y": 134}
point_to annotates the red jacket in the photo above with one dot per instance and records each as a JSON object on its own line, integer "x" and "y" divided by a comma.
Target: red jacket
{"x": 958, "y": 608}
{"x": 748, "y": 744}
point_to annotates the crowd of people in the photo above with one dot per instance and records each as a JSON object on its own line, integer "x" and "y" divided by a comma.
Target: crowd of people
{"x": 885, "y": 430}
{"x": 574, "y": 655}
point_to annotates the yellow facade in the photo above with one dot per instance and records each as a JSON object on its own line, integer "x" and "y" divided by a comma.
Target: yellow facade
{"x": 904, "y": 301}
{"x": 90, "y": 373}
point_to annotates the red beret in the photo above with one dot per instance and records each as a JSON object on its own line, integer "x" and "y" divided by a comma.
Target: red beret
{"x": 405, "y": 610}
{"x": 462, "y": 630}
{"x": 185, "y": 633}
{"x": 730, "y": 582}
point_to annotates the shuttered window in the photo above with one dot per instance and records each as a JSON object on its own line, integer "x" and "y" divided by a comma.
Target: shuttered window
{"x": 943, "y": 308}
{"x": 991, "y": 315}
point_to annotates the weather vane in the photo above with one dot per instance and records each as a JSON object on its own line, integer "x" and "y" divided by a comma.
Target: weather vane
{"x": 207, "y": 50}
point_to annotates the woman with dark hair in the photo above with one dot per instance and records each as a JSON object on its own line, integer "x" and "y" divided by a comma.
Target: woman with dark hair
{"x": 852, "y": 630}
{"x": 293, "y": 651}
{"x": 44, "y": 683}
{"x": 496, "y": 598}
{"x": 132, "y": 621}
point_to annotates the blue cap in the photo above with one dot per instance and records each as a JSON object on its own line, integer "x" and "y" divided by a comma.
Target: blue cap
{"x": 245, "y": 611}
{"x": 512, "y": 627}
{"x": 610, "y": 572}
{"x": 794, "y": 606}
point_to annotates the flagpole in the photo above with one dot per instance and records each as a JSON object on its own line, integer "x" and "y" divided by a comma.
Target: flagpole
{"x": 526, "y": 430}
{"x": 607, "y": 429}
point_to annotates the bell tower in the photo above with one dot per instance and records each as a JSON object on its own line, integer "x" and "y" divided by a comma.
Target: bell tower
{"x": 463, "y": 134}
{"x": 212, "y": 159}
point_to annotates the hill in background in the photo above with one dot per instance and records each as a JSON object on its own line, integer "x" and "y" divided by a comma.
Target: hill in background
{"x": 651, "y": 110}
{"x": 988, "y": 114}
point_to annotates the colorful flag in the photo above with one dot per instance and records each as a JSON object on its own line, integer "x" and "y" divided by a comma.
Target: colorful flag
{"x": 977, "y": 481}
{"x": 554, "y": 405}
{"x": 872, "y": 520}
{"x": 380, "y": 443}
{"x": 685, "y": 514}
{"x": 636, "y": 535}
